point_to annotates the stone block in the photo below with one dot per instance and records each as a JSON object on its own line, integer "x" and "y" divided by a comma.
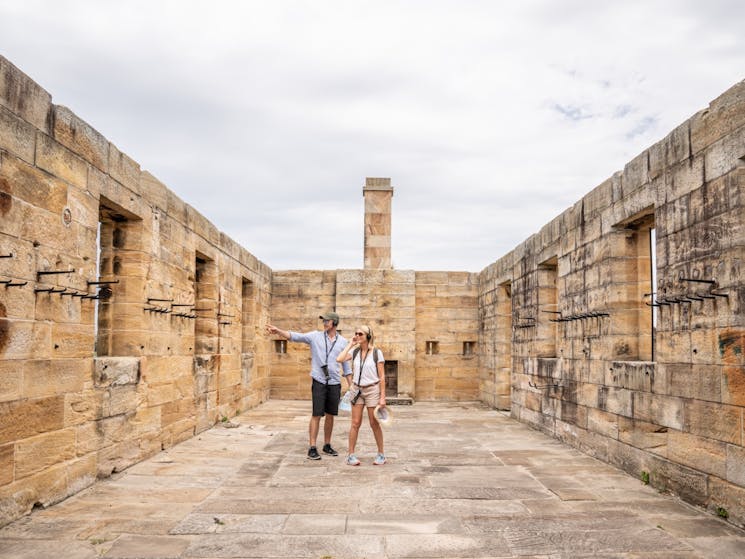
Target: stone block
{"x": 735, "y": 470}
{"x": 727, "y": 496}
{"x": 725, "y": 114}
{"x": 7, "y": 463}
{"x": 635, "y": 173}
{"x": 696, "y": 452}
{"x": 634, "y": 375}
{"x": 24, "y": 97}
{"x": 60, "y": 162}
{"x": 17, "y": 136}
{"x": 714, "y": 421}
{"x": 602, "y": 422}
{"x": 685, "y": 177}
{"x": 26, "y": 418}
{"x": 124, "y": 170}
{"x": 38, "y": 453}
{"x": 118, "y": 457}
{"x": 689, "y": 484}
{"x": 121, "y": 400}
{"x": 643, "y": 435}
{"x": 178, "y": 410}
{"x": 20, "y": 180}
{"x": 72, "y": 340}
{"x": 54, "y": 377}
{"x": 659, "y": 410}
{"x": 11, "y": 379}
{"x": 80, "y": 137}
{"x": 82, "y": 407}
{"x": 84, "y": 209}
{"x": 116, "y": 371}
{"x": 24, "y": 339}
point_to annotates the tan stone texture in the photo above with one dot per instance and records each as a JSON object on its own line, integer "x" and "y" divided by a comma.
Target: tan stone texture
{"x": 80, "y": 399}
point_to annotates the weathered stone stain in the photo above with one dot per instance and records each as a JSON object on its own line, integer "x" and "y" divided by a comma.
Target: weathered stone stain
{"x": 6, "y": 200}
{"x": 4, "y": 328}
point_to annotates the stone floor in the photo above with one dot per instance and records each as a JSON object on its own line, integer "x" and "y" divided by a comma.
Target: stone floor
{"x": 462, "y": 481}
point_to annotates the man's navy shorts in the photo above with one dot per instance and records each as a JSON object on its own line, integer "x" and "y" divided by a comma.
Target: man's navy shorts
{"x": 325, "y": 398}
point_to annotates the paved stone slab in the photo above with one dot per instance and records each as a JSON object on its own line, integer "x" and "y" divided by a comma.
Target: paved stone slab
{"x": 147, "y": 547}
{"x": 461, "y": 481}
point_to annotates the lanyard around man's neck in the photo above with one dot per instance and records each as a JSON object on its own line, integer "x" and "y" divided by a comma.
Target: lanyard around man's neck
{"x": 326, "y": 343}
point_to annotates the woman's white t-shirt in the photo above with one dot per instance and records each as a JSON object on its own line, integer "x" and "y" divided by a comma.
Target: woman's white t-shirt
{"x": 369, "y": 367}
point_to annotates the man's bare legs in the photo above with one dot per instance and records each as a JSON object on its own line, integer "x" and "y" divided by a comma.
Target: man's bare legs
{"x": 314, "y": 427}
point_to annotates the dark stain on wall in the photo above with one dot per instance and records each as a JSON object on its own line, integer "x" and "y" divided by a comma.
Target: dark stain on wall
{"x": 4, "y": 327}
{"x": 731, "y": 344}
{"x": 6, "y": 201}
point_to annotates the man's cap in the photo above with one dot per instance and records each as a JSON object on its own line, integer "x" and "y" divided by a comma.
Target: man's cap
{"x": 330, "y": 316}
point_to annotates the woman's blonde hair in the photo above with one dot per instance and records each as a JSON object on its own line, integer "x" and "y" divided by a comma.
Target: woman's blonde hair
{"x": 368, "y": 332}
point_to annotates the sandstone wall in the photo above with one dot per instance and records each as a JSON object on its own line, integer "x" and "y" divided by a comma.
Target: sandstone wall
{"x": 664, "y": 400}
{"x": 447, "y": 315}
{"x": 406, "y": 309}
{"x": 90, "y": 383}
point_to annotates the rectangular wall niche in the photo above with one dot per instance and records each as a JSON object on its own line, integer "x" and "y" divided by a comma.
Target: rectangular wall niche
{"x": 280, "y": 346}
{"x": 247, "y": 314}
{"x": 548, "y": 300}
{"x": 469, "y": 348}
{"x": 632, "y": 281}
{"x": 432, "y": 348}
{"x": 119, "y": 258}
{"x": 503, "y": 336}
{"x": 391, "y": 378}
{"x": 205, "y": 300}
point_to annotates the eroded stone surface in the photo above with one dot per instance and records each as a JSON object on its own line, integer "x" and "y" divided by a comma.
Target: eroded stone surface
{"x": 231, "y": 493}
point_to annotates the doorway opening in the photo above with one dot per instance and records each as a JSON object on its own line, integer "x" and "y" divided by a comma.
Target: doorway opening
{"x": 391, "y": 379}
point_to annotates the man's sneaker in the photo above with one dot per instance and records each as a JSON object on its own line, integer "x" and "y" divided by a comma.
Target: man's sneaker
{"x": 379, "y": 459}
{"x": 313, "y": 454}
{"x": 352, "y": 460}
{"x": 328, "y": 450}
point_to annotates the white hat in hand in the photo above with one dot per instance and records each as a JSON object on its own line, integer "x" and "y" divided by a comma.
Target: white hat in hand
{"x": 383, "y": 415}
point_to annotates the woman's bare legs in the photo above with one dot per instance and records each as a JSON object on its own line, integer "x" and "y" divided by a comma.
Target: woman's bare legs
{"x": 376, "y": 429}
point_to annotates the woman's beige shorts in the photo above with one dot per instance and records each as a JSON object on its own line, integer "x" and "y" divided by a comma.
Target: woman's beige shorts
{"x": 369, "y": 395}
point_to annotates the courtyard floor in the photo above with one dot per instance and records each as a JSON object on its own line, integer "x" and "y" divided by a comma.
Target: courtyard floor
{"x": 462, "y": 480}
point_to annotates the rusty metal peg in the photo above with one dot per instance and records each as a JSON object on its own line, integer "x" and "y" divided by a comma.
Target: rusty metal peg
{"x": 11, "y": 283}
{"x": 693, "y": 280}
{"x": 542, "y": 386}
{"x": 48, "y": 272}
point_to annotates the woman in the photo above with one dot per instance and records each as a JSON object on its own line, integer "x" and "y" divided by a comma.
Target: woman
{"x": 368, "y": 381}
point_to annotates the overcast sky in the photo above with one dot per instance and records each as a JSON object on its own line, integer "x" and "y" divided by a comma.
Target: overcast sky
{"x": 490, "y": 117}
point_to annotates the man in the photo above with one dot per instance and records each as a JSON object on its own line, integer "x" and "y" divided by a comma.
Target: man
{"x": 325, "y": 346}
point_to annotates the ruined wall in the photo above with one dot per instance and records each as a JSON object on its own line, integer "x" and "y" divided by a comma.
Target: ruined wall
{"x": 112, "y": 345}
{"x": 447, "y": 336}
{"x": 406, "y": 309}
{"x": 661, "y": 396}
{"x": 495, "y": 333}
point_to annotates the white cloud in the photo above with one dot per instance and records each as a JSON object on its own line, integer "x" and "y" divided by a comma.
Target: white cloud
{"x": 491, "y": 118}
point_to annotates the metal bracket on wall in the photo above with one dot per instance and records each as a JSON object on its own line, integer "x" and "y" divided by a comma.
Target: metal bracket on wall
{"x": 542, "y": 386}
{"x": 11, "y": 283}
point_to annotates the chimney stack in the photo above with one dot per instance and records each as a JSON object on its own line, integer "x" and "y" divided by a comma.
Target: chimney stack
{"x": 378, "y": 193}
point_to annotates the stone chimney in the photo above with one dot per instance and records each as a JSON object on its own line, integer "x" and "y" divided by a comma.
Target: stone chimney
{"x": 378, "y": 193}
